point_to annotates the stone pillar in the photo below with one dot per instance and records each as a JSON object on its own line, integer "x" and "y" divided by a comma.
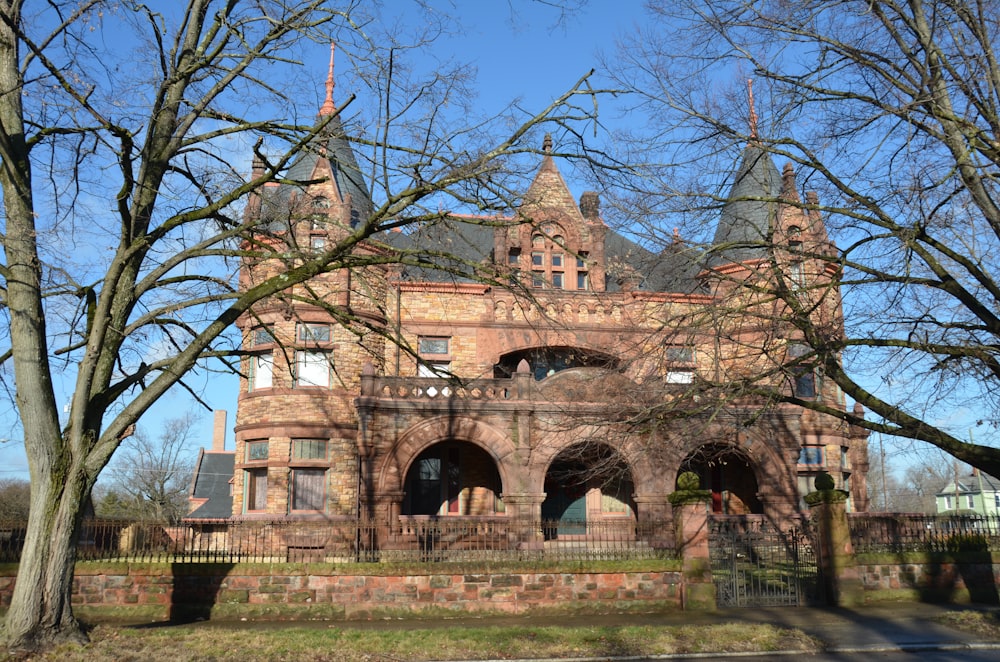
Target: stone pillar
{"x": 839, "y": 581}
{"x": 655, "y": 508}
{"x": 525, "y": 513}
{"x": 691, "y": 508}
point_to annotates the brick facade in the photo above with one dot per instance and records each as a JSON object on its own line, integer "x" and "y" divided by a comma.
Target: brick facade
{"x": 548, "y": 373}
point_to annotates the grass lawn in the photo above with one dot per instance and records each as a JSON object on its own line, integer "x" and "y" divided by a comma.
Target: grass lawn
{"x": 248, "y": 643}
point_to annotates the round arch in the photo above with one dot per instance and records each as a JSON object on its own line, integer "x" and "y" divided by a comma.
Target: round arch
{"x": 730, "y": 473}
{"x": 393, "y": 468}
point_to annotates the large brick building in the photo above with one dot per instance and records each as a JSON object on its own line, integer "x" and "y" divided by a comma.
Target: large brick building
{"x": 576, "y": 394}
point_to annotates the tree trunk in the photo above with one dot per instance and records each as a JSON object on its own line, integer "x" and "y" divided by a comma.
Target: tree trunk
{"x": 40, "y": 613}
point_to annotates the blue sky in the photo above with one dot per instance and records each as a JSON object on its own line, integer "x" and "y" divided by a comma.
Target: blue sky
{"x": 521, "y": 51}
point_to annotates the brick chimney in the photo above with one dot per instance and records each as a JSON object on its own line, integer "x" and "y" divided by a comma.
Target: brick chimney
{"x": 219, "y": 430}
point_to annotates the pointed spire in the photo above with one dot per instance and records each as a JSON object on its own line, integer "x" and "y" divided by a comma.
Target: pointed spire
{"x": 328, "y": 108}
{"x": 753, "y": 111}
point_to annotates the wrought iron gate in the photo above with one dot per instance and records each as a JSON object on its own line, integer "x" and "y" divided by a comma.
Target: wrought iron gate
{"x": 756, "y": 565}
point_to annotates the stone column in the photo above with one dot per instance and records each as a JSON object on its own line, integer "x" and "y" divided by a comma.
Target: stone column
{"x": 525, "y": 513}
{"x": 655, "y": 509}
{"x": 839, "y": 581}
{"x": 691, "y": 508}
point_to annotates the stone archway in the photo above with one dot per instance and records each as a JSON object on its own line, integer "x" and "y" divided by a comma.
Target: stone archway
{"x": 479, "y": 443}
{"x": 730, "y": 474}
{"x": 583, "y": 483}
{"x": 452, "y": 478}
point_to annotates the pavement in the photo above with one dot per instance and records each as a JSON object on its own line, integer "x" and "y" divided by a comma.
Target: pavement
{"x": 885, "y": 627}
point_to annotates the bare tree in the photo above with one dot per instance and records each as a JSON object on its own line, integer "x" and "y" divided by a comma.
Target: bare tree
{"x": 888, "y": 115}
{"x": 122, "y": 228}
{"x": 153, "y": 474}
{"x": 14, "y": 499}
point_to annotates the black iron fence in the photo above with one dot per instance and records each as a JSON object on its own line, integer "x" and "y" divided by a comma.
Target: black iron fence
{"x": 894, "y": 532}
{"x": 410, "y": 539}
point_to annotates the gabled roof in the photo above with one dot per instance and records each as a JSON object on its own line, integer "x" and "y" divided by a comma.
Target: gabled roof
{"x": 971, "y": 485}
{"x": 211, "y": 485}
{"x": 749, "y": 214}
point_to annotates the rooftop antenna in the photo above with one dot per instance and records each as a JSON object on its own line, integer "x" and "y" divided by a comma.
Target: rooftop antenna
{"x": 328, "y": 108}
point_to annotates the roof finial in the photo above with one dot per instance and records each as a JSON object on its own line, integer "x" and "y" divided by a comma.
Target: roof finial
{"x": 328, "y": 108}
{"x": 753, "y": 111}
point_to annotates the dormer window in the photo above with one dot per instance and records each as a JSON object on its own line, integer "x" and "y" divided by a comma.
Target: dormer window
{"x": 550, "y": 265}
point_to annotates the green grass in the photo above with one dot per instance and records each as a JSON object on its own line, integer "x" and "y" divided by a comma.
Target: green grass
{"x": 250, "y": 642}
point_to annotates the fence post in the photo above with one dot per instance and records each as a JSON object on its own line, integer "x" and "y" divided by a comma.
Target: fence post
{"x": 839, "y": 582}
{"x": 690, "y": 507}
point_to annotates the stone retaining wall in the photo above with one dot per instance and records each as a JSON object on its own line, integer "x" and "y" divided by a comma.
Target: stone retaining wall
{"x": 215, "y": 590}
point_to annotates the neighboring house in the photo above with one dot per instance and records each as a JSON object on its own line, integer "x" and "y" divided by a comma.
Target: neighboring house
{"x": 338, "y": 423}
{"x": 978, "y": 493}
{"x": 211, "y": 495}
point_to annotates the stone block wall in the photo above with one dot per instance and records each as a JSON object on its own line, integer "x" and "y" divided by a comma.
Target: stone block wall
{"x": 298, "y": 591}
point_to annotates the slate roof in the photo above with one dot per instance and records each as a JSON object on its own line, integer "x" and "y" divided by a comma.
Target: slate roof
{"x": 745, "y": 223}
{"x": 347, "y": 177}
{"x": 673, "y": 270}
{"x": 212, "y": 476}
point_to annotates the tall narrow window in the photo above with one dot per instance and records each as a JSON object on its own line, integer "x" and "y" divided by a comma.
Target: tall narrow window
{"x": 261, "y": 371}
{"x": 256, "y": 490}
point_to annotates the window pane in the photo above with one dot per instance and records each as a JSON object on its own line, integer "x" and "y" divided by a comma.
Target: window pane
{"x": 537, "y": 279}
{"x": 309, "y": 449}
{"x": 537, "y": 259}
{"x": 811, "y": 455}
{"x": 256, "y": 450}
{"x": 312, "y": 369}
{"x": 433, "y": 345}
{"x": 581, "y": 281}
{"x": 262, "y": 335}
{"x": 308, "y": 489}
{"x": 680, "y": 354}
{"x": 314, "y": 332}
{"x": 317, "y": 243}
{"x": 805, "y": 384}
{"x": 434, "y": 369}
{"x": 514, "y": 256}
{"x": 261, "y": 371}
{"x": 557, "y": 259}
{"x": 557, "y": 281}
{"x": 680, "y": 377}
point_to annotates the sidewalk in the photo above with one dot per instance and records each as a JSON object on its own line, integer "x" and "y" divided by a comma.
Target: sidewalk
{"x": 907, "y": 626}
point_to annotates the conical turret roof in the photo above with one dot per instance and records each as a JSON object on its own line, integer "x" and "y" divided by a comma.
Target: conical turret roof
{"x": 748, "y": 216}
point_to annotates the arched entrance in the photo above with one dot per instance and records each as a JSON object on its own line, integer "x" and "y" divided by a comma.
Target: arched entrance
{"x": 728, "y": 473}
{"x": 583, "y": 483}
{"x": 452, "y": 478}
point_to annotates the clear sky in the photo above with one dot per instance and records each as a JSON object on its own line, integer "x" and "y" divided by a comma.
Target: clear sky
{"x": 521, "y": 49}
